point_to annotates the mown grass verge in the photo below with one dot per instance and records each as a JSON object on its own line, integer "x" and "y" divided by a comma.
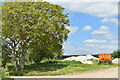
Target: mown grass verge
{"x": 58, "y": 67}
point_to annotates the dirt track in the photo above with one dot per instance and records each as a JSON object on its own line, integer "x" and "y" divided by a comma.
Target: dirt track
{"x": 107, "y": 73}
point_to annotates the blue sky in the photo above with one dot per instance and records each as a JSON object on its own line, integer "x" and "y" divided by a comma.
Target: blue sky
{"x": 93, "y": 27}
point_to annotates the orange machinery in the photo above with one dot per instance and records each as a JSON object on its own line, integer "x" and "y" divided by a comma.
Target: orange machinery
{"x": 105, "y": 57}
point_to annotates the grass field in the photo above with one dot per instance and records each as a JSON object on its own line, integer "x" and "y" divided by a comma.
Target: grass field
{"x": 58, "y": 67}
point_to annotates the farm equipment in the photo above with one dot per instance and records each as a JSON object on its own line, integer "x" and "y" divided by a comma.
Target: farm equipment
{"x": 105, "y": 58}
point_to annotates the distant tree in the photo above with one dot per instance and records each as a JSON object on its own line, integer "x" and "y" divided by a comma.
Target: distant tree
{"x": 116, "y": 54}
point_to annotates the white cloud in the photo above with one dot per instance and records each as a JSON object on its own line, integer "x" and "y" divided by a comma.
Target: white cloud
{"x": 72, "y": 29}
{"x": 87, "y": 28}
{"x": 103, "y": 33}
{"x": 105, "y": 36}
{"x": 108, "y": 36}
{"x": 101, "y": 30}
{"x": 96, "y": 46}
{"x": 109, "y": 20}
{"x": 106, "y": 9}
{"x": 70, "y": 49}
{"x": 114, "y": 42}
{"x": 82, "y": 0}
{"x": 94, "y": 41}
{"x": 98, "y": 9}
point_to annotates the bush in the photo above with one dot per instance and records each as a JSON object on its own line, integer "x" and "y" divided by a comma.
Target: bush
{"x": 16, "y": 73}
{"x": 4, "y": 73}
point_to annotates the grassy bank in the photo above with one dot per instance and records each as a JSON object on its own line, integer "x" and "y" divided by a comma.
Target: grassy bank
{"x": 54, "y": 68}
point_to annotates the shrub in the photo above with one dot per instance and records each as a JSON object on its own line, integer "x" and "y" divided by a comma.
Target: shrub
{"x": 4, "y": 73}
{"x": 16, "y": 73}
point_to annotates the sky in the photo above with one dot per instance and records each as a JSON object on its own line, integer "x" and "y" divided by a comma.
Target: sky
{"x": 93, "y": 26}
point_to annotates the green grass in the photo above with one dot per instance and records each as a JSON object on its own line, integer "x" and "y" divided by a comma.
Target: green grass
{"x": 58, "y": 67}
{"x": 7, "y": 79}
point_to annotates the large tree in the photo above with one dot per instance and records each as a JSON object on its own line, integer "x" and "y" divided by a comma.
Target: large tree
{"x": 38, "y": 23}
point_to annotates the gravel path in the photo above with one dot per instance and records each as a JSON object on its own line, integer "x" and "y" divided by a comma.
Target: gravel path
{"x": 107, "y": 73}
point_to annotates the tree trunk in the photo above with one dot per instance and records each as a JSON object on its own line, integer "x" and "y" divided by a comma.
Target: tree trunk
{"x": 22, "y": 59}
{"x": 15, "y": 62}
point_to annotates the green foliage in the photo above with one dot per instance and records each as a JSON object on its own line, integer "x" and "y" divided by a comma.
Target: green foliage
{"x": 23, "y": 0}
{"x": 116, "y": 54}
{"x": 94, "y": 61}
{"x": 5, "y": 54}
{"x": 39, "y": 55}
{"x": 16, "y": 73}
{"x": 4, "y": 73}
{"x": 35, "y": 28}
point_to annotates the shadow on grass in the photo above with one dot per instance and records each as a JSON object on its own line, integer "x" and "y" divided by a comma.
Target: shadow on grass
{"x": 38, "y": 67}
{"x": 44, "y": 67}
{"x": 8, "y": 79}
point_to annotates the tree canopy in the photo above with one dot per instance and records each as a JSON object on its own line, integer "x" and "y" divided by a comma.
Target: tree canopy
{"x": 39, "y": 27}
